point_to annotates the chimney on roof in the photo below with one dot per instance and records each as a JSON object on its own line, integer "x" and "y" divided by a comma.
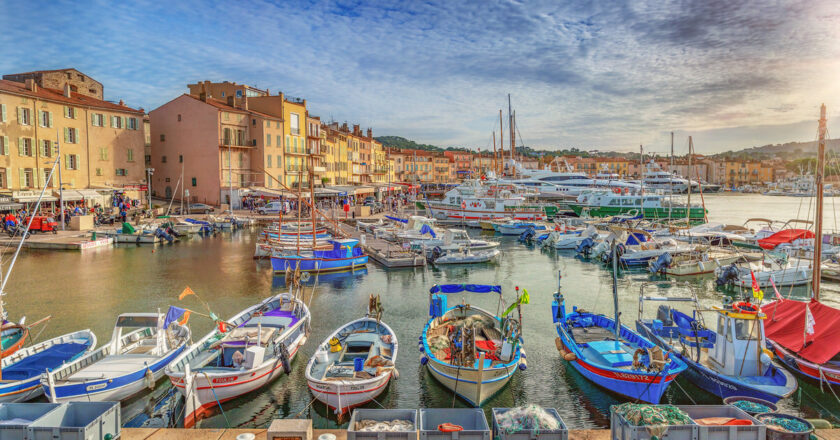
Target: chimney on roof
{"x": 66, "y": 90}
{"x": 245, "y": 103}
{"x": 370, "y": 133}
{"x": 122, "y": 103}
{"x": 202, "y": 96}
{"x": 30, "y": 85}
{"x": 230, "y": 101}
{"x": 267, "y": 92}
{"x": 357, "y": 130}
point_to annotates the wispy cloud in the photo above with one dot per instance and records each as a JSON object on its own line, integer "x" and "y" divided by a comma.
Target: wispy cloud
{"x": 586, "y": 74}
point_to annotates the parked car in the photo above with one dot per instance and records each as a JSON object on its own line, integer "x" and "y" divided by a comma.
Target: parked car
{"x": 270, "y": 208}
{"x": 199, "y": 208}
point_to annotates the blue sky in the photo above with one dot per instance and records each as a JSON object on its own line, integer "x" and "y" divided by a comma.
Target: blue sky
{"x": 585, "y": 74}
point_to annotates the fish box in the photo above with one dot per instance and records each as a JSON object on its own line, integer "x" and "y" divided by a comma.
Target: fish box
{"x": 15, "y": 418}
{"x": 530, "y": 434}
{"x": 472, "y": 421}
{"x": 78, "y": 421}
{"x": 756, "y": 431}
{"x": 621, "y": 429}
{"x": 382, "y": 415}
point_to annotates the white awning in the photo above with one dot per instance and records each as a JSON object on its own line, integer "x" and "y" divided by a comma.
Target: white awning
{"x": 69, "y": 195}
{"x": 33, "y": 199}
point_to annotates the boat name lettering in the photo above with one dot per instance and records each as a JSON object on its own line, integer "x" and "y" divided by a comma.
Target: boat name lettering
{"x": 225, "y": 379}
{"x": 98, "y": 386}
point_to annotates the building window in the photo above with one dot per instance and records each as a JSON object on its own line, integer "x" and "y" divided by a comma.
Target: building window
{"x": 226, "y": 135}
{"x": 180, "y": 158}
{"x": 267, "y": 124}
{"x": 278, "y": 139}
{"x": 116, "y": 122}
{"x": 69, "y": 112}
{"x": 276, "y": 124}
{"x": 99, "y": 171}
{"x": 72, "y": 161}
{"x": 130, "y": 155}
{"x": 226, "y": 115}
{"x": 194, "y": 182}
{"x": 45, "y": 119}
{"x": 163, "y": 159}
{"x": 24, "y": 117}
{"x": 294, "y": 123}
{"x": 162, "y": 137}
{"x": 4, "y": 145}
{"x": 71, "y": 135}
{"x": 239, "y": 93}
{"x": 46, "y": 148}
{"x": 103, "y": 154}
{"x": 26, "y": 178}
{"x": 132, "y": 123}
{"x": 122, "y": 172}
{"x": 97, "y": 119}
{"x": 167, "y": 180}
{"x": 25, "y": 147}
{"x": 279, "y": 162}
{"x": 179, "y": 117}
{"x": 254, "y": 122}
{"x": 268, "y": 161}
{"x": 268, "y": 140}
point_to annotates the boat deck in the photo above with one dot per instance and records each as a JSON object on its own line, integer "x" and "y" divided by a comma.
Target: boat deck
{"x": 599, "y": 345}
{"x": 111, "y": 366}
{"x": 365, "y": 342}
{"x": 51, "y": 358}
{"x": 383, "y": 252}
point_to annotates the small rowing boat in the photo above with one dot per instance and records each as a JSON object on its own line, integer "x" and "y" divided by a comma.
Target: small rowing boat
{"x": 355, "y": 363}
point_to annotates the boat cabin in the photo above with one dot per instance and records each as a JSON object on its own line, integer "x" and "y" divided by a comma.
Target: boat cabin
{"x": 362, "y": 350}
{"x": 342, "y": 248}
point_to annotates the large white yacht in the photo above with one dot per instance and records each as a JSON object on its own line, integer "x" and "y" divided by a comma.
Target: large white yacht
{"x": 656, "y": 178}
{"x": 568, "y": 183}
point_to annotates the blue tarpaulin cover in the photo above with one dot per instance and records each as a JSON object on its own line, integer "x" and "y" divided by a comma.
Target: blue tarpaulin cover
{"x": 426, "y": 229}
{"x": 455, "y": 288}
{"x": 397, "y": 219}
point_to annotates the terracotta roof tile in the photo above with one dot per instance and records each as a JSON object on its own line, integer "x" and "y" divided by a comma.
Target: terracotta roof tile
{"x": 58, "y": 96}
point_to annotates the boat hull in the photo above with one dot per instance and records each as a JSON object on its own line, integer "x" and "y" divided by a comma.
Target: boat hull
{"x": 347, "y": 395}
{"x": 804, "y": 368}
{"x": 281, "y": 264}
{"x": 696, "y": 214}
{"x": 470, "y": 384}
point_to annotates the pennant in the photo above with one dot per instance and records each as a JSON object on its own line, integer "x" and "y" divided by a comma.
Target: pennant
{"x": 776, "y": 290}
{"x": 185, "y": 318}
{"x": 809, "y": 325}
{"x": 756, "y": 291}
{"x": 187, "y": 291}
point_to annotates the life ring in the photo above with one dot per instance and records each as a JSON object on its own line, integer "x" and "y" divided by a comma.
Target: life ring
{"x": 745, "y": 307}
{"x": 617, "y": 190}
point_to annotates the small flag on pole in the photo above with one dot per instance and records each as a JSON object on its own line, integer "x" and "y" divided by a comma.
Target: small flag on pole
{"x": 809, "y": 325}
{"x": 757, "y": 293}
{"x": 187, "y": 291}
{"x": 775, "y": 289}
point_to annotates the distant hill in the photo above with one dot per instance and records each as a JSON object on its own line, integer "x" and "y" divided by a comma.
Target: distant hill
{"x": 403, "y": 143}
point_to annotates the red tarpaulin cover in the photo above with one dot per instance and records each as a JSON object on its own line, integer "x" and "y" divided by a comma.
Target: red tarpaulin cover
{"x": 785, "y": 236}
{"x": 785, "y": 325}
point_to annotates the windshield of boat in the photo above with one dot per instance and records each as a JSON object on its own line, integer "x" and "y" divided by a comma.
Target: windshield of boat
{"x": 745, "y": 329}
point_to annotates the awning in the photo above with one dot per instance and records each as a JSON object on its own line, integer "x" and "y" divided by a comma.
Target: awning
{"x": 69, "y": 195}
{"x": 33, "y": 199}
{"x": 10, "y": 206}
{"x": 363, "y": 190}
{"x": 786, "y": 325}
{"x": 267, "y": 192}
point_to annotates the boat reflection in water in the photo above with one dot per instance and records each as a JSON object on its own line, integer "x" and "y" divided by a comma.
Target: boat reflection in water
{"x": 336, "y": 279}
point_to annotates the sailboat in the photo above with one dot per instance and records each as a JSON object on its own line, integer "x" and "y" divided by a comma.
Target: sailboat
{"x": 805, "y": 336}
{"x": 611, "y": 355}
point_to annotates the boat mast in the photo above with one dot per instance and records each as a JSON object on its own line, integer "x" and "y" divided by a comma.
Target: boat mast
{"x": 615, "y": 290}
{"x": 299, "y": 203}
{"x": 642, "y": 170}
{"x": 671, "y": 183}
{"x": 688, "y": 207}
{"x": 819, "y": 222}
{"x": 512, "y": 135}
{"x": 312, "y": 197}
{"x": 495, "y": 164}
{"x": 501, "y": 143}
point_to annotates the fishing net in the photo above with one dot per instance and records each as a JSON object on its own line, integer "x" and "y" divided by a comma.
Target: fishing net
{"x": 395, "y": 425}
{"x": 527, "y": 418}
{"x": 786, "y": 424}
{"x": 751, "y": 407}
{"x": 657, "y": 418}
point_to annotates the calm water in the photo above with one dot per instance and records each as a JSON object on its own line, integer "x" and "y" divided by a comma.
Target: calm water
{"x": 88, "y": 290}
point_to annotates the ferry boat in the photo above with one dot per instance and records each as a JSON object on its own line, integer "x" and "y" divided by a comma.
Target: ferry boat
{"x": 657, "y": 179}
{"x": 649, "y": 206}
{"x": 474, "y": 201}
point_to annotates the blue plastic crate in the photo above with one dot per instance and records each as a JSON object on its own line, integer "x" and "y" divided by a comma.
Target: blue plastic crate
{"x": 23, "y": 412}
{"x": 78, "y": 421}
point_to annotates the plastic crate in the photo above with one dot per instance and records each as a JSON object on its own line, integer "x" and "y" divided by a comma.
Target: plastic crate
{"x": 542, "y": 434}
{"x": 78, "y": 421}
{"x": 621, "y": 429}
{"x": 756, "y": 431}
{"x": 471, "y": 419}
{"x": 25, "y": 411}
{"x": 382, "y": 415}
{"x": 774, "y": 434}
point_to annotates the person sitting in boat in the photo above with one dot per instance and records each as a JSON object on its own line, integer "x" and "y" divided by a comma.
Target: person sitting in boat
{"x": 238, "y": 358}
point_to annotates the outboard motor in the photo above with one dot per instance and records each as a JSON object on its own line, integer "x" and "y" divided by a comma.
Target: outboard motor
{"x": 528, "y": 235}
{"x": 585, "y": 246}
{"x": 172, "y": 232}
{"x": 435, "y": 254}
{"x": 663, "y": 313}
{"x": 661, "y": 263}
{"x": 728, "y": 275}
{"x": 159, "y": 232}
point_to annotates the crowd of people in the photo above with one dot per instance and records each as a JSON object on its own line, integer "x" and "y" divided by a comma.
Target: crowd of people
{"x": 290, "y": 204}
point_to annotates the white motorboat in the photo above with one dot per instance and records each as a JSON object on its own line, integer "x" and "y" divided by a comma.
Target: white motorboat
{"x": 354, "y": 364}
{"x": 465, "y": 255}
{"x": 783, "y": 273}
{"x": 141, "y": 346}
{"x": 514, "y": 227}
{"x": 569, "y": 239}
{"x": 453, "y": 237}
{"x": 244, "y": 354}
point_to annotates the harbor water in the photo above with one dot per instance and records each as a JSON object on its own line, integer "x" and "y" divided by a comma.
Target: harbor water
{"x": 89, "y": 289}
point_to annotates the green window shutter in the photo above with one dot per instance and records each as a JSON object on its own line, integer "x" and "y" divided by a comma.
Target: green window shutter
{"x": 66, "y": 134}
{"x": 6, "y": 148}
{"x": 8, "y": 177}
{"x": 93, "y": 119}
{"x": 124, "y": 122}
{"x": 21, "y": 178}
{"x": 50, "y": 118}
{"x": 20, "y": 146}
{"x": 3, "y": 118}
{"x": 20, "y": 115}
{"x": 67, "y": 161}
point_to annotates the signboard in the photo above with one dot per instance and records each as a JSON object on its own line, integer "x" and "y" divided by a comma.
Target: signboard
{"x": 140, "y": 187}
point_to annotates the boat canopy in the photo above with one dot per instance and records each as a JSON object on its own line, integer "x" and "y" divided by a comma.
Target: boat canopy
{"x": 342, "y": 248}
{"x": 784, "y": 236}
{"x": 786, "y": 322}
{"x": 397, "y": 219}
{"x": 455, "y": 288}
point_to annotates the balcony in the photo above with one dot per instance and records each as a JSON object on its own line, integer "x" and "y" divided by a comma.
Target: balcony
{"x": 319, "y": 170}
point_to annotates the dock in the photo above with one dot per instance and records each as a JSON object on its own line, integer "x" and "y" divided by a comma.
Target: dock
{"x": 61, "y": 240}
{"x": 382, "y": 251}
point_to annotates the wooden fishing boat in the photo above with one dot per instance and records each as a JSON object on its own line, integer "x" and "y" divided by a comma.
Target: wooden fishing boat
{"x": 354, "y": 364}
{"x": 141, "y": 346}
{"x": 346, "y": 254}
{"x": 22, "y": 370}
{"x": 717, "y": 362}
{"x": 700, "y": 261}
{"x": 12, "y": 337}
{"x": 469, "y": 350}
{"x": 243, "y": 354}
{"x": 611, "y": 355}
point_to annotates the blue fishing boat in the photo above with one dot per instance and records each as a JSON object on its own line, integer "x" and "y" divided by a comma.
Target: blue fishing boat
{"x": 611, "y": 355}
{"x": 346, "y": 254}
{"x": 21, "y": 372}
{"x": 729, "y": 360}
{"x": 471, "y": 351}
